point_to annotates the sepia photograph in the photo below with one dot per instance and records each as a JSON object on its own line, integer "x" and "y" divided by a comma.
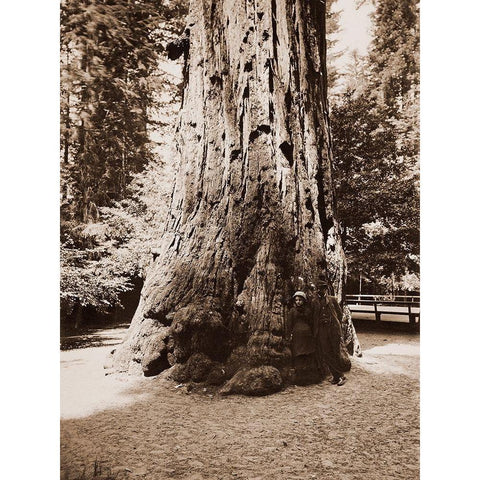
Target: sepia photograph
{"x": 239, "y": 239}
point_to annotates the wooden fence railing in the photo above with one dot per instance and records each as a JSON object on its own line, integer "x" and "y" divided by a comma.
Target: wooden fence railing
{"x": 394, "y": 307}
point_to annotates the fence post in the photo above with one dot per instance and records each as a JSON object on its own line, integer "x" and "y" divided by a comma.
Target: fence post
{"x": 411, "y": 316}
{"x": 377, "y": 313}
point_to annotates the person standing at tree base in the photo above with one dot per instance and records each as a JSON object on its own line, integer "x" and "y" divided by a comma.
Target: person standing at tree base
{"x": 299, "y": 333}
{"x": 327, "y": 332}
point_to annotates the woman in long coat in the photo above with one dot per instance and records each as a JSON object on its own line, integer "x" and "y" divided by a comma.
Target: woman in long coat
{"x": 299, "y": 331}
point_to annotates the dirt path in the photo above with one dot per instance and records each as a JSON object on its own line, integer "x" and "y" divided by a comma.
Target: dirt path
{"x": 146, "y": 428}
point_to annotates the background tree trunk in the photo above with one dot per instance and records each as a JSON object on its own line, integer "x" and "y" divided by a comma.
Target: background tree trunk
{"x": 253, "y": 206}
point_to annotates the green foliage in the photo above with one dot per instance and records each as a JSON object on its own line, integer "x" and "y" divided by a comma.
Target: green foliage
{"x": 376, "y": 152}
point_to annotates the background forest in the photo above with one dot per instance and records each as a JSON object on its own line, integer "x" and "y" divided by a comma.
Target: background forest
{"x": 119, "y": 100}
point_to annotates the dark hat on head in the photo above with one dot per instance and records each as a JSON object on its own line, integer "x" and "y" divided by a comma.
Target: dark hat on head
{"x": 322, "y": 283}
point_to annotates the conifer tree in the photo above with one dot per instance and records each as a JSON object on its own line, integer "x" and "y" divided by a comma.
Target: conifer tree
{"x": 109, "y": 56}
{"x": 113, "y": 96}
{"x": 376, "y": 151}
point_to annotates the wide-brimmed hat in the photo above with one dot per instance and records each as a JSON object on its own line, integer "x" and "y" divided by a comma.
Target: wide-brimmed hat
{"x": 300, "y": 294}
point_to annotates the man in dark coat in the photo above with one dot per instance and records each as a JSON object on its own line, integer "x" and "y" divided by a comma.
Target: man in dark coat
{"x": 299, "y": 333}
{"x": 327, "y": 331}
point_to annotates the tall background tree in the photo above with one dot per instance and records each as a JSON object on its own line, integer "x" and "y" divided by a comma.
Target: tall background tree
{"x": 252, "y": 215}
{"x": 375, "y": 125}
{"x": 333, "y": 31}
{"x": 112, "y": 95}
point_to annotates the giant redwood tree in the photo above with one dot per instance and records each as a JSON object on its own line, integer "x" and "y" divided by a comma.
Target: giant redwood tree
{"x": 252, "y": 213}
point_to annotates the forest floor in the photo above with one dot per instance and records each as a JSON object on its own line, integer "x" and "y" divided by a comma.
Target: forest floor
{"x": 123, "y": 427}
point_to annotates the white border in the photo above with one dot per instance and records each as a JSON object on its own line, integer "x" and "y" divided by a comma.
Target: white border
{"x": 29, "y": 239}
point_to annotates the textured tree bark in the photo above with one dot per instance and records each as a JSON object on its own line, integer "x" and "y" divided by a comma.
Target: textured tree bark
{"x": 253, "y": 207}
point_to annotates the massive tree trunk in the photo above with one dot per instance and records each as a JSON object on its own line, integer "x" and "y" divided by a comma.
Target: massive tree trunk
{"x": 252, "y": 208}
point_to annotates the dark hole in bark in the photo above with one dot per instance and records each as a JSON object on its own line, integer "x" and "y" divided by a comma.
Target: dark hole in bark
{"x": 309, "y": 225}
{"x": 240, "y": 308}
{"x": 242, "y": 271}
{"x": 287, "y": 150}
{"x": 326, "y": 222}
{"x": 244, "y": 248}
{"x": 259, "y": 130}
{"x": 270, "y": 75}
{"x": 302, "y": 157}
{"x": 309, "y": 206}
{"x": 246, "y": 92}
{"x": 288, "y": 100}
{"x": 274, "y": 25}
{"x": 260, "y": 15}
{"x": 168, "y": 319}
{"x": 265, "y": 35}
{"x": 248, "y": 66}
{"x": 157, "y": 366}
{"x": 240, "y": 126}
{"x": 216, "y": 80}
{"x": 179, "y": 46}
{"x": 235, "y": 154}
{"x": 158, "y": 316}
{"x": 244, "y": 192}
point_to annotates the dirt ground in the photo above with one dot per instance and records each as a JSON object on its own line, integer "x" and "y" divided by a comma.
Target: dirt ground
{"x": 148, "y": 428}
